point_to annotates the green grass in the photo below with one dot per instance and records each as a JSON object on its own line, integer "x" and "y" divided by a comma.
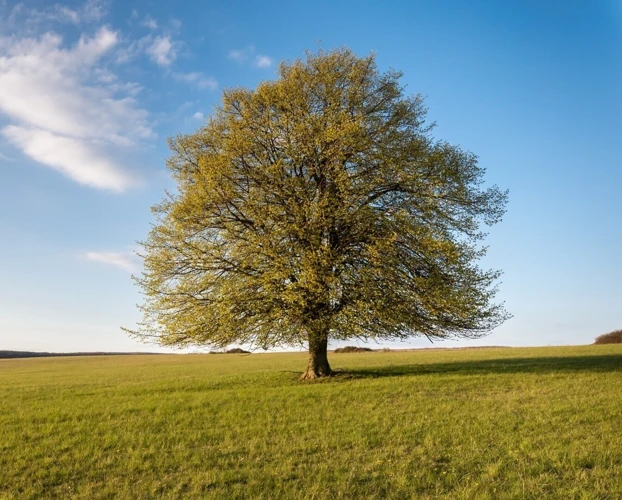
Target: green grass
{"x": 495, "y": 423}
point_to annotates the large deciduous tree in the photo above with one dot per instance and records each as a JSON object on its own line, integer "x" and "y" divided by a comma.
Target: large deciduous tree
{"x": 319, "y": 207}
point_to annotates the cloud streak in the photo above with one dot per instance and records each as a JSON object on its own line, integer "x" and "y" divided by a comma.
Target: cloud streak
{"x": 80, "y": 160}
{"x": 249, "y": 54}
{"x": 197, "y": 79}
{"x": 124, "y": 261}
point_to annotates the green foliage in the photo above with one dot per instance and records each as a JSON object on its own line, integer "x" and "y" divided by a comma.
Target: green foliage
{"x": 614, "y": 337}
{"x": 319, "y": 206}
{"x": 541, "y": 423}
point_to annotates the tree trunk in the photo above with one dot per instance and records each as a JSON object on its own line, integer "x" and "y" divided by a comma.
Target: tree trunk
{"x": 318, "y": 359}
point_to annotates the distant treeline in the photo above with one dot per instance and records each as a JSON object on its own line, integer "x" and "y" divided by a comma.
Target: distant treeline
{"x": 29, "y": 354}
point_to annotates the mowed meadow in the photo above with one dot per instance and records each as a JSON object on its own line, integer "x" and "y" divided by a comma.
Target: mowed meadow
{"x": 481, "y": 423}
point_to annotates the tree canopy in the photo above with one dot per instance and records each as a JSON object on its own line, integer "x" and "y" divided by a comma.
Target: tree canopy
{"x": 319, "y": 207}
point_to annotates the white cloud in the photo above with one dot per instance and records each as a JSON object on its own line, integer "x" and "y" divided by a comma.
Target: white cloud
{"x": 66, "y": 110}
{"x": 91, "y": 11}
{"x": 94, "y": 10}
{"x": 161, "y": 51}
{"x": 238, "y": 55}
{"x": 133, "y": 50}
{"x": 114, "y": 84}
{"x": 90, "y": 49}
{"x": 80, "y": 160}
{"x": 248, "y": 54}
{"x": 198, "y": 116}
{"x": 198, "y": 79}
{"x": 124, "y": 261}
{"x": 150, "y": 22}
{"x": 263, "y": 61}
{"x": 63, "y": 14}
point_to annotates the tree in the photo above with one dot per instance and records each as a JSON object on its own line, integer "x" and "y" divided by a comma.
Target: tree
{"x": 614, "y": 337}
{"x": 319, "y": 207}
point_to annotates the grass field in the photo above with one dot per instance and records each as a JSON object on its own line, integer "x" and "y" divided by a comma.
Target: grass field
{"x": 490, "y": 423}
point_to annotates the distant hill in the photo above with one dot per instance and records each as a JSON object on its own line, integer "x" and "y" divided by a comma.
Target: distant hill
{"x": 30, "y": 354}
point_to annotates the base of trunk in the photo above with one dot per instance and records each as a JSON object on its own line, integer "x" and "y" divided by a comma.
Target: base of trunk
{"x": 315, "y": 374}
{"x": 318, "y": 366}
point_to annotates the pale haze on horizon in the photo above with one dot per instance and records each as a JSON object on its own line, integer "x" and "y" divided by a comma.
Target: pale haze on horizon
{"x": 89, "y": 92}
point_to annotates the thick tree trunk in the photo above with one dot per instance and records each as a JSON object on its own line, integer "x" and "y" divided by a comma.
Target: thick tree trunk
{"x": 318, "y": 359}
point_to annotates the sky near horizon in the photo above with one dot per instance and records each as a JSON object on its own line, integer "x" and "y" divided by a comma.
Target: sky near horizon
{"x": 89, "y": 92}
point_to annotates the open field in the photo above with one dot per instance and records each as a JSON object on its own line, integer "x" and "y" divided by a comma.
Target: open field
{"x": 490, "y": 423}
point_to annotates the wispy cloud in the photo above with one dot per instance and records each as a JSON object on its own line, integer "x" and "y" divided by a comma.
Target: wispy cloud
{"x": 198, "y": 116}
{"x": 67, "y": 109}
{"x": 92, "y": 11}
{"x": 62, "y": 13}
{"x": 162, "y": 51}
{"x": 197, "y": 79}
{"x": 125, "y": 261}
{"x": 263, "y": 61}
{"x": 149, "y": 22}
{"x": 238, "y": 55}
{"x": 248, "y": 54}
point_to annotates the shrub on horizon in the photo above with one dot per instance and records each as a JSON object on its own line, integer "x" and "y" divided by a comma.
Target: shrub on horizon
{"x": 352, "y": 348}
{"x": 235, "y": 350}
{"x": 614, "y": 337}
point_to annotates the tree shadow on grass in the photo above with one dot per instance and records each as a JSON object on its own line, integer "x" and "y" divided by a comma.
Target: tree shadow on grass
{"x": 536, "y": 365}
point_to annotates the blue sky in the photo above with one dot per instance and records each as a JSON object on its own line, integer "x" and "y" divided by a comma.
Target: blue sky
{"x": 89, "y": 92}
